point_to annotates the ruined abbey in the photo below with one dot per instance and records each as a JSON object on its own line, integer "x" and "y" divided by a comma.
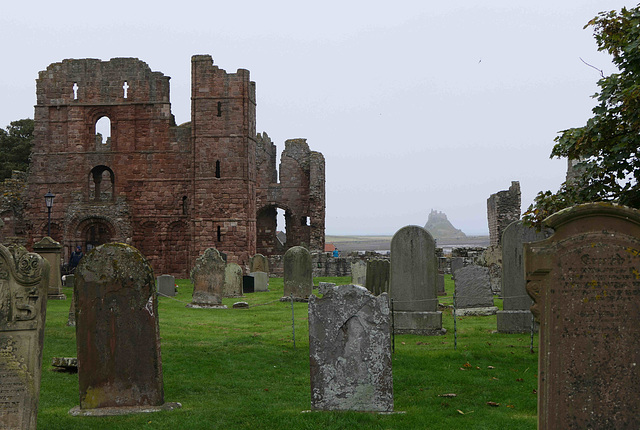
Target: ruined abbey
{"x": 171, "y": 191}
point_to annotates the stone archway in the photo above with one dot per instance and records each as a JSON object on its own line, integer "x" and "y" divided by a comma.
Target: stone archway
{"x": 94, "y": 232}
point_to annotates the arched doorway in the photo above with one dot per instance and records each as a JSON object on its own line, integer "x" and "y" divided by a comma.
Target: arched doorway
{"x": 95, "y": 232}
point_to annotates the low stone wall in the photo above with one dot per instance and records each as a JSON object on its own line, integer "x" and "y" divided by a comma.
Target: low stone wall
{"x": 324, "y": 263}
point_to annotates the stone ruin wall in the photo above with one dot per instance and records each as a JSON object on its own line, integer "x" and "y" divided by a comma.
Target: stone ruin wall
{"x": 170, "y": 191}
{"x": 503, "y": 208}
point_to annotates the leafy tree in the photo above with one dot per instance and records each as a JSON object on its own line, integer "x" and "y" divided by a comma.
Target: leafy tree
{"x": 608, "y": 144}
{"x": 15, "y": 147}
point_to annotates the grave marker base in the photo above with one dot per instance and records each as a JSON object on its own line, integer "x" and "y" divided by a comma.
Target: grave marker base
{"x": 123, "y": 410}
{"x": 420, "y": 323}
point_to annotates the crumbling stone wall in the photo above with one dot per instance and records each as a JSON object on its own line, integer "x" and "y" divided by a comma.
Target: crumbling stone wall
{"x": 12, "y": 222}
{"x": 171, "y": 191}
{"x": 503, "y": 208}
{"x": 300, "y": 192}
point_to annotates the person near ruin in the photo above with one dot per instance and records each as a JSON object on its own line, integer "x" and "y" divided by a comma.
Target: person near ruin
{"x": 335, "y": 253}
{"x": 75, "y": 258}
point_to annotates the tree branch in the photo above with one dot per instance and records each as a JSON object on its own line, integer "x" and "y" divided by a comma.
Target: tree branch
{"x": 594, "y": 67}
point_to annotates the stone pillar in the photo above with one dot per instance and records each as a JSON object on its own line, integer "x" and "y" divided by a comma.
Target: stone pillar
{"x": 51, "y": 251}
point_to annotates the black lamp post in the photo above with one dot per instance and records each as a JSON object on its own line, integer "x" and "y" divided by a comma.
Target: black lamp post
{"x": 48, "y": 200}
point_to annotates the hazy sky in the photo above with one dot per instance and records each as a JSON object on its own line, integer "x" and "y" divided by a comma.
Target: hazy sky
{"x": 415, "y": 105}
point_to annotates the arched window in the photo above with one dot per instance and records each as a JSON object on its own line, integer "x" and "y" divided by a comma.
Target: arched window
{"x": 103, "y": 130}
{"x": 101, "y": 184}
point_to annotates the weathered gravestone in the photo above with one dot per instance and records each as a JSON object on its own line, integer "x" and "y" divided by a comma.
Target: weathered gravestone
{"x": 359, "y": 272}
{"x": 117, "y": 335}
{"x": 323, "y": 287}
{"x": 70, "y": 282}
{"x": 208, "y": 280}
{"x": 440, "y": 286}
{"x": 23, "y": 303}
{"x": 456, "y": 263}
{"x": 350, "y": 351}
{"x": 166, "y": 285}
{"x": 298, "y": 274}
{"x": 585, "y": 282}
{"x": 260, "y": 281}
{"x": 413, "y": 273}
{"x": 232, "y": 281}
{"x": 473, "y": 294}
{"x": 377, "y": 279}
{"x": 51, "y": 251}
{"x": 516, "y": 316}
{"x": 259, "y": 263}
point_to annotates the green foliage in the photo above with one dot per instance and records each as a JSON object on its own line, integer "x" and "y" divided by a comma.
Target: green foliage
{"x": 608, "y": 144}
{"x": 15, "y": 147}
{"x": 238, "y": 369}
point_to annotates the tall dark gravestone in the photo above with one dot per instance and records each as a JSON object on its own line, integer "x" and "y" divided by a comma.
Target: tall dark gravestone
{"x": 350, "y": 350}
{"x": 585, "y": 282}
{"x": 24, "y": 281}
{"x": 413, "y": 282}
{"x": 515, "y": 316}
{"x": 117, "y": 333}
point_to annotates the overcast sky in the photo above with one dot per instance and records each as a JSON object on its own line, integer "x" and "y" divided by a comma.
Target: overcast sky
{"x": 416, "y": 105}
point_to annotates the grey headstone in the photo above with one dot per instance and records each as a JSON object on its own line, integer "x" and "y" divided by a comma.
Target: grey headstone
{"x": 441, "y": 290}
{"x": 298, "y": 274}
{"x": 24, "y": 279}
{"x": 232, "y": 281}
{"x": 413, "y": 273}
{"x": 456, "y": 263}
{"x": 516, "y": 316}
{"x": 259, "y": 263}
{"x": 359, "y": 272}
{"x": 350, "y": 351}
{"x": 260, "y": 281}
{"x": 377, "y": 279}
{"x": 208, "y": 280}
{"x": 473, "y": 294}
{"x": 166, "y": 285}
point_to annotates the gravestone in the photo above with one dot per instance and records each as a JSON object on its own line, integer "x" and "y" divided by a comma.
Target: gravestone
{"x": 166, "y": 285}
{"x": 516, "y": 316}
{"x": 51, "y": 251}
{"x": 585, "y": 282}
{"x": 473, "y": 294}
{"x": 456, "y": 263}
{"x": 413, "y": 275}
{"x": 24, "y": 281}
{"x": 71, "y": 319}
{"x": 298, "y": 275}
{"x": 232, "y": 281}
{"x": 117, "y": 334}
{"x": 208, "y": 280}
{"x": 359, "y": 272}
{"x": 440, "y": 281}
{"x": 248, "y": 284}
{"x": 377, "y": 279}
{"x": 350, "y": 351}
{"x": 260, "y": 281}
{"x": 259, "y": 263}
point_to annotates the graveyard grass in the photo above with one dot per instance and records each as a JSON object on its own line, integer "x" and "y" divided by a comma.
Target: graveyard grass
{"x": 238, "y": 368}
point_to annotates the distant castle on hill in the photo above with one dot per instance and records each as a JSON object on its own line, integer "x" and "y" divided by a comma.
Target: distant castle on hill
{"x": 440, "y": 227}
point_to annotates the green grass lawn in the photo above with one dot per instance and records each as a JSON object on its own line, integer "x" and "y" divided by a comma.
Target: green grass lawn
{"x": 237, "y": 368}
